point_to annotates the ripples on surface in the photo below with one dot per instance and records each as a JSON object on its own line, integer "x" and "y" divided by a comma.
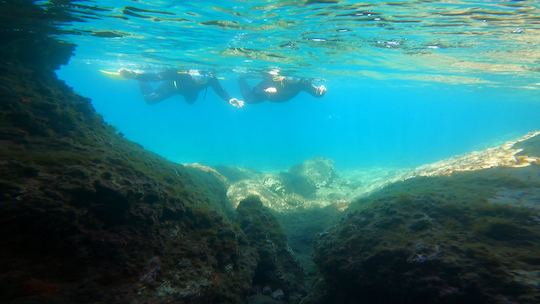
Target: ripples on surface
{"x": 494, "y": 43}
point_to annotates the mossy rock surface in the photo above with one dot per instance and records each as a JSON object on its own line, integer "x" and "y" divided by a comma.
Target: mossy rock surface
{"x": 236, "y": 174}
{"x": 450, "y": 239}
{"x": 302, "y": 226}
{"x": 307, "y": 177}
{"x": 277, "y": 267}
{"x": 531, "y": 147}
{"x": 87, "y": 216}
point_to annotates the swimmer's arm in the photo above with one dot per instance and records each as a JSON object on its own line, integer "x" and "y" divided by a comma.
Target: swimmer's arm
{"x": 216, "y": 86}
{"x": 220, "y": 91}
{"x": 312, "y": 89}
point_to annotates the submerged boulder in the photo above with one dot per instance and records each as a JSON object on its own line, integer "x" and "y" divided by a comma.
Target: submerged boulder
{"x": 271, "y": 191}
{"x": 446, "y": 239}
{"x": 277, "y": 272}
{"x": 313, "y": 173}
{"x": 303, "y": 186}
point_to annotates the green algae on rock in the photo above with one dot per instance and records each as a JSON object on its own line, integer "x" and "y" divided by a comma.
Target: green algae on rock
{"x": 302, "y": 227}
{"x": 277, "y": 268}
{"x": 436, "y": 240}
{"x": 530, "y": 147}
{"x": 87, "y": 216}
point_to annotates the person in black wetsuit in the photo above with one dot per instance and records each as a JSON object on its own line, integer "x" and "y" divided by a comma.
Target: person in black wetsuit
{"x": 277, "y": 88}
{"x": 173, "y": 82}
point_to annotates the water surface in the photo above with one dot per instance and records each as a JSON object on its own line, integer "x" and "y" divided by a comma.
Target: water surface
{"x": 409, "y": 82}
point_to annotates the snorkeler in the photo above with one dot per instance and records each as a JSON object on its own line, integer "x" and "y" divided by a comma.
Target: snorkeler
{"x": 277, "y": 88}
{"x": 186, "y": 83}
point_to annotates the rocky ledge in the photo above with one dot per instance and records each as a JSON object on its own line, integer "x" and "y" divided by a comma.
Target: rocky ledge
{"x": 89, "y": 217}
{"x": 472, "y": 236}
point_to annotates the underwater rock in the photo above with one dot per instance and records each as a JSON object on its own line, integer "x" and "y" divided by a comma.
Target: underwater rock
{"x": 89, "y": 217}
{"x": 267, "y": 290}
{"x": 215, "y": 186}
{"x": 297, "y": 184}
{"x": 278, "y": 295}
{"x": 529, "y": 146}
{"x": 262, "y": 299}
{"x": 284, "y": 191}
{"x": 295, "y": 189}
{"x": 302, "y": 227}
{"x": 513, "y": 154}
{"x": 239, "y": 191}
{"x": 316, "y": 184}
{"x": 152, "y": 271}
{"x": 277, "y": 268}
{"x": 235, "y": 174}
{"x": 208, "y": 170}
{"x": 318, "y": 172}
{"x": 444, "y": 239}
{"x": 269, "y": 189}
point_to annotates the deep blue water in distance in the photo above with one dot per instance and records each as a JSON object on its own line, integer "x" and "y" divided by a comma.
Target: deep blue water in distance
{"x": 358, "y": 123}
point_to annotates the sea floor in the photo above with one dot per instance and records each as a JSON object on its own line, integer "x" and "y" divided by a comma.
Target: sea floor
{"x": 316, "y": 183}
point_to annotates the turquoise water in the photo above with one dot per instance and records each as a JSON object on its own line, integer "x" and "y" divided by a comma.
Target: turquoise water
{"x": 409, "y": 82}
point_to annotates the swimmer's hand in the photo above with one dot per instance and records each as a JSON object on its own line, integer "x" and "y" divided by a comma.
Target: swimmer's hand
{"x": 237, "y": 103}
{"x": 321, "y": 90}
{"x": 270, "y": 90}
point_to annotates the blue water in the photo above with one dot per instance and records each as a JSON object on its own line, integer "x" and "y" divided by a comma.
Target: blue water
{"x": 361, "y": 124}
{"x": 400, "y": 94}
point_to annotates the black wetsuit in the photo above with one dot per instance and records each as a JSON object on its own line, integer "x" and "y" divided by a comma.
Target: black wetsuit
{"x": 286, "y": 89}
{"x": 174, "y": 82}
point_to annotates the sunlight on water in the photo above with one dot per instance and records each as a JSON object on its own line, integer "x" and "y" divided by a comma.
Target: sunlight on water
{"x": 409, "y": 82}
{"x": 490, "y": 43}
